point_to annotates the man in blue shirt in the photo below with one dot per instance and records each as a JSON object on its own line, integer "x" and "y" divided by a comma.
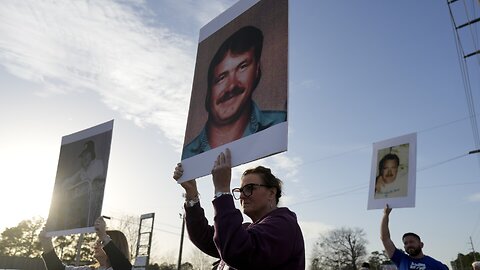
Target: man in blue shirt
{"x": 233, "y": 75}
{"x": 414, "y": 259}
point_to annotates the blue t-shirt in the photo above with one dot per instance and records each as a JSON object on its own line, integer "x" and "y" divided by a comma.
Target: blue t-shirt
{"x": 405, "y": 262}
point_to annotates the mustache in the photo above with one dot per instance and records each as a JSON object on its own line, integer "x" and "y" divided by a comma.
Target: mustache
{"x": 230, "y": 94}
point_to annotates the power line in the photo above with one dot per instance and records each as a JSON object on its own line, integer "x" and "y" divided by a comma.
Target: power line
{"x": 369, "y": 145}
{"x": 443, "y": 124}
{"x": 335, "y": 155}
{"x": 355, "y": 188}
{"x": 450, "y": 185}
{"x": 145, "y": 226}
{"x": 440, "y": 163}
{"x": 351, "y": 189}
{"x": 327, "y": 196}
{"x": 338, "y": 194}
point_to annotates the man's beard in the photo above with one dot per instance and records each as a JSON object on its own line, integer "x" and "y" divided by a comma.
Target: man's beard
{"x": 413, "y": 252}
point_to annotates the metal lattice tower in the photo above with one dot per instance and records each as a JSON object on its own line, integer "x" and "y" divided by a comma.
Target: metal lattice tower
{"x": 144, "y": 242}
{"x": 465, "y": 25}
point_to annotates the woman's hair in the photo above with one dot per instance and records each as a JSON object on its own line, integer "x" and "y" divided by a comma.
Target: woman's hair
{"x": 268, "y": 178}
{"x": 120, "y": 241}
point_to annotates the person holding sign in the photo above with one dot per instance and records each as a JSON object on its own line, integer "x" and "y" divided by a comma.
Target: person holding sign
{"x": 233, "y": 75}
{"x": 272, "y": 241}
{"x": 110, "y": 250}
{"x": 414, "y": 259}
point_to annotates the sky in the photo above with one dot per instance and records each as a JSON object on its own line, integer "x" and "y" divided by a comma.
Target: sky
{"x": 359, "y": 73}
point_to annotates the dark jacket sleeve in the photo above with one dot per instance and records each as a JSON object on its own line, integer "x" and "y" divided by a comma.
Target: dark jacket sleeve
{"x": 200, "y": 233}
{"x": 116, "y": 257}
{"x": 51, "y": 260}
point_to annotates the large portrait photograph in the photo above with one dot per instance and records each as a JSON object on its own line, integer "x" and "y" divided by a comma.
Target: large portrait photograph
{"x": 240, "y": 88}
{"x": 80, "y": 181}
{"x": 393, "y": 173}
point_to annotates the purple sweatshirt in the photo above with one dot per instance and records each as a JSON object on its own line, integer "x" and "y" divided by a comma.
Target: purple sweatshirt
{"x": 273, "y": 242}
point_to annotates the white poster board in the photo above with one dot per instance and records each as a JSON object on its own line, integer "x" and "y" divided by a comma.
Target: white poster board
{"x": 80, "y": 181}
{"x": 393, "y": 173}
{"x": 240, "y": 88}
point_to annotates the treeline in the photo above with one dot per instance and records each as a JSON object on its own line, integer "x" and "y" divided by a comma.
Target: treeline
{"x": 343, "y": 248}
{"x": 21, "y": 241}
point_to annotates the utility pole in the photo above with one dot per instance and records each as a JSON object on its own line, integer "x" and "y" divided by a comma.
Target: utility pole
{"x": 182, "y": 216}
{"x": 458, "y": 27}
{"x": 79, "y": 249}
{"x": 473, "y": 249}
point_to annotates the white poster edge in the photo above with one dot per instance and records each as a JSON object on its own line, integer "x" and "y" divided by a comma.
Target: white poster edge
{"x": 201, "y": 165}
{"x": 70, "y": 231}
{"x": 225, "y": 17}
{"x": 77, "y": 136}
{"x": 401, "y": 202}
{"x": 89, "y": 132}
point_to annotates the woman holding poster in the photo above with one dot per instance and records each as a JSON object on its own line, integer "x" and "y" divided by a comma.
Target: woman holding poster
{"x": 110, "y": 250}
{"x": 273, "y": 240}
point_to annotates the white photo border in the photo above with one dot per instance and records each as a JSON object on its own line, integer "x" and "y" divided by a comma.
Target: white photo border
{"x": 397, "y": 202}
{"x": 81, "y": 135}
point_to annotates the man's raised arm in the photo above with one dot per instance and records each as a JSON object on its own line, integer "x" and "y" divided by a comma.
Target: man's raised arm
{"x": 385, "y": 232}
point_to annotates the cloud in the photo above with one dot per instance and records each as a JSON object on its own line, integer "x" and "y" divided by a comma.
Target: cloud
{"x": 288, "y": 165}
{"x": 311, "y": 232}
{"x": 474, "y": 197}
{"x": 282, "y": 165}
{"x": 201, "y": 11}
{"x": 119, "y": 50}
{"x": 309, "y": 84}
{"x": 141, "y": 70}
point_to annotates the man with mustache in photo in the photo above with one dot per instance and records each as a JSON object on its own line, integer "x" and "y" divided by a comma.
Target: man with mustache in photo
{"x": 233, "y": 75}
{"x": 414, "y": 259}
{"x": 386, "y": 184}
